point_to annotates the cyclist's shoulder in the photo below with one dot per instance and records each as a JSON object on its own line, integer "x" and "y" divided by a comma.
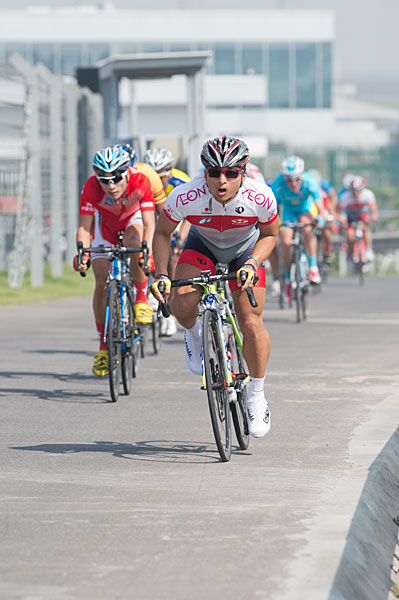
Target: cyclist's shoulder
{"x": 179, "y": 177}
{"x": 148, "y": 171}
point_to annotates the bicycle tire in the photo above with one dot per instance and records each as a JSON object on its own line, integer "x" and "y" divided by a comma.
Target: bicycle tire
{"x": 114, "y": 340}
{"x": 304, "y": 287}
{"x": 128, "y": 350}
{"x": 239, "y": 372}
{"x": 143, "y": 330}
{"x": 156, "y": 334}
{"x": 215, "y": 378}
{"x": 295, "y": 279}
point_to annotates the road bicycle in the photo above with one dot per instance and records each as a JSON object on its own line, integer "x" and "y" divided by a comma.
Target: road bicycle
{"x": 225, "y": 375}
{"x": 124, "y": 337}
{"x": 299, "y": 270}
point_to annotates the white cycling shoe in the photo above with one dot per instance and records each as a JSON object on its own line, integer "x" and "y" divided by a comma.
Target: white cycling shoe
{"x": 193, "y": 345}
{"x": 259, "y": 417}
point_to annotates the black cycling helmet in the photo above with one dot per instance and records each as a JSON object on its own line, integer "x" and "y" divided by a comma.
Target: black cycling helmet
{"x": 224, "y": 153}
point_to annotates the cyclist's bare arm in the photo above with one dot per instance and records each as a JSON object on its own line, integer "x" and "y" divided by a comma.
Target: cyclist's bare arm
{"x": 184, "y": 229}
{"x": 83, "y": 235}
{"x": 374, "y": 212}
{"x": 267, "y": 240}
{"x": 148, "y": 228}
{"x": 161, "y": 243}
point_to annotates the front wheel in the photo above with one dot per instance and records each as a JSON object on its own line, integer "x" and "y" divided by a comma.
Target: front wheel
{"x": 239, "y": 373}
{"x": 216, "y": 384}
{"x": 114, "y": 340}
{"x": 128, "y": 354}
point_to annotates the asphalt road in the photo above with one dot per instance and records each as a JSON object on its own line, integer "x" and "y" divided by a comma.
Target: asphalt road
{"x": 130, "y": 501}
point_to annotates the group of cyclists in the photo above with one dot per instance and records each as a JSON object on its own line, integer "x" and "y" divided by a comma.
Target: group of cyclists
{"x": 226, "y": 214}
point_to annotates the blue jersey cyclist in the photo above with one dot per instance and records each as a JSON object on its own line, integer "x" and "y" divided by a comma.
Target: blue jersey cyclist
{"x": 299, "y": 199}
{"x": 233, "y": 220}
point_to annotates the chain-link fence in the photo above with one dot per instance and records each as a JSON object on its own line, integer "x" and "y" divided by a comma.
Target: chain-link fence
{"x": 49, "y": 129}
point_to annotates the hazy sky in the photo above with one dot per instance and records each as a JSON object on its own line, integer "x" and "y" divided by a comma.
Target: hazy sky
{"x": 367, "y": 44}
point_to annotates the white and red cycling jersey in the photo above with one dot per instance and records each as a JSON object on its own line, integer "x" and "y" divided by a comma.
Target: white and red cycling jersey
{"x": 116, "y": 214}
{"x": 355, "y": 207}
{"x": 223, "y": 225}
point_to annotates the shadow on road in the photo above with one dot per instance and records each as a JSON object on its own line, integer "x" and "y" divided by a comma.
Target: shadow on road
{"x": 59, "y": 395}
{"x": 148, "y": 450}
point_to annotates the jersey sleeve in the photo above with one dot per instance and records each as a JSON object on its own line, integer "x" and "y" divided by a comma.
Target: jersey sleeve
{"x": 87, "y": 198}
{"x": 147, "y": 198}
{"x": 173, "y": 209}
{"x": 268, "y": 210}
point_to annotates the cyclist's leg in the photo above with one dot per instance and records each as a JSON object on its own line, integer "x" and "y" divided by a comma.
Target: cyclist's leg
{"x": 310, "y": 244}
{"x": 133, "y": 236}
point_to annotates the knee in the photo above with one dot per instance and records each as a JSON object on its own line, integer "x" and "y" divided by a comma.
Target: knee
{"x": 182, "y": 305}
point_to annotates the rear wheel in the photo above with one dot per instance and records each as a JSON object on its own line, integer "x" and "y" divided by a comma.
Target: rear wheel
{"x": 239, "y": 373}
{"x": 215, "y": 378}
{"x": 114, "y": 341}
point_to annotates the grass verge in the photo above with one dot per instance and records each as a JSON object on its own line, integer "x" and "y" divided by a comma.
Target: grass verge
{"x": 70, "y": 284}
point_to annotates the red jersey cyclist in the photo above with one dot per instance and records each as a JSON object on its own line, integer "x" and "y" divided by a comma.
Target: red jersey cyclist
{"x": 233, "y": 220}
{"x": 117, "y": 198}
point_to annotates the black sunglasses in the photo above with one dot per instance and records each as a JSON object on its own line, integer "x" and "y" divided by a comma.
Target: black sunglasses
{"x": 119, "y": 175}
{"x": 229, "y": 173}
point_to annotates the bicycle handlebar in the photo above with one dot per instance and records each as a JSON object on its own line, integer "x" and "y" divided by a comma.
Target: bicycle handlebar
{"x": 116, "y": 251}
{"x": 206, "y": 277}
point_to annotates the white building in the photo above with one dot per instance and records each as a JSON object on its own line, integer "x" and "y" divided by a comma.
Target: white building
{"x": 270, "y": 80}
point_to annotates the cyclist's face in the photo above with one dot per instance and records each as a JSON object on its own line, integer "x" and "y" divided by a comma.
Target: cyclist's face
{"x": 165, "y": 175}
{"x": 222, "y": 188}
{"x": 114, "y": 190}
{"x": 294, "y": 184}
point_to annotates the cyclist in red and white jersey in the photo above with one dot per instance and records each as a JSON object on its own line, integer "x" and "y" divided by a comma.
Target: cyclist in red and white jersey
{"x": 233, "y": 220}
{"x": 358, "y": 203}
{"x": 117, "y": 198}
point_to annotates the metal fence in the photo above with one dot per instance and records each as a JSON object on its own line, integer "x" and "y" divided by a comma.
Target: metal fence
{"x": 44, "y": 158}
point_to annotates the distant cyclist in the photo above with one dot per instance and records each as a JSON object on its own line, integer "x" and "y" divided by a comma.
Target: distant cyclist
{"x": 358, "y": 203}
{"x": 162, "y": 161}
{"x": 233, "y": 220}
{"x": 117, "y": 198}
{"x": 299, "y": 199}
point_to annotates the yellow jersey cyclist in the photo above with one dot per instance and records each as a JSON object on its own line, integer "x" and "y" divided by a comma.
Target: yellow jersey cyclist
{"x": 233, "y": 220}
{"x": 299, "y": 199}
{"x": 162, "y": 161}
{"x": 155, "y": 180}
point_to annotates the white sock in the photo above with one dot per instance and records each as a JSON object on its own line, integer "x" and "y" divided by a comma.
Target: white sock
{"x": 256, "y": 389}
{"x": 195, "y": 330}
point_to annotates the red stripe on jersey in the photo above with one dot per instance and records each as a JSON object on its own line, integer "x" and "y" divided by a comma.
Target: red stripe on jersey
{"x": 170, "y": 218}
{"x": 271, "y": 220}
{"x": 221, "y": 222}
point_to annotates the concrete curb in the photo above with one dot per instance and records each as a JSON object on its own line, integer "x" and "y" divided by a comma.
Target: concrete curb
{"x": 364, "y": 570}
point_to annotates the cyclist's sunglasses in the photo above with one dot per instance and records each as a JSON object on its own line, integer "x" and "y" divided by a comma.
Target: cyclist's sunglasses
{"x": 292, "y": 179}
{"x": 228, "y": 173}
{"x": 116, "y": 178}
{"x": 164, "y": 175}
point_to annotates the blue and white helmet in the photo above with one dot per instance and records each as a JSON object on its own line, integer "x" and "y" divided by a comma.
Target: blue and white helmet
{"x": 111, "y": 159}
{"x": 293, "y": 167}
{"x": 131, "y": 152}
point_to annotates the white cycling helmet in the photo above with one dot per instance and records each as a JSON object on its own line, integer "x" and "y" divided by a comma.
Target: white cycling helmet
{"x": 293, "y": 167}
{"x": 357, "y": 183}
{"x": 159, "y": 159}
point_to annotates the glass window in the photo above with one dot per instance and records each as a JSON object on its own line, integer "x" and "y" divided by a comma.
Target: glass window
{"x": 179, "y": 47}
{"x": 224, "y": 59}
{"x": 124, "y": 48}
{"x": 98, "y": 52}
{"x": 279, "y": 69}
{"x": 252, "y": 60}
{"x": 70, "y": 58}
{"x": 327, "y": 73}
{"x": 305, "y": 75}
{"x": 153, "y": 47}
{"x": 12, "y": 48}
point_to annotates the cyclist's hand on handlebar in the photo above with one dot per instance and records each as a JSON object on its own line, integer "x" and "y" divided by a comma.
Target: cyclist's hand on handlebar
{"x": 150, "y": 263}
{"x": 160, "y": 288}
{"x": 245, "y": 276}
{"x": 84, "y": 265}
